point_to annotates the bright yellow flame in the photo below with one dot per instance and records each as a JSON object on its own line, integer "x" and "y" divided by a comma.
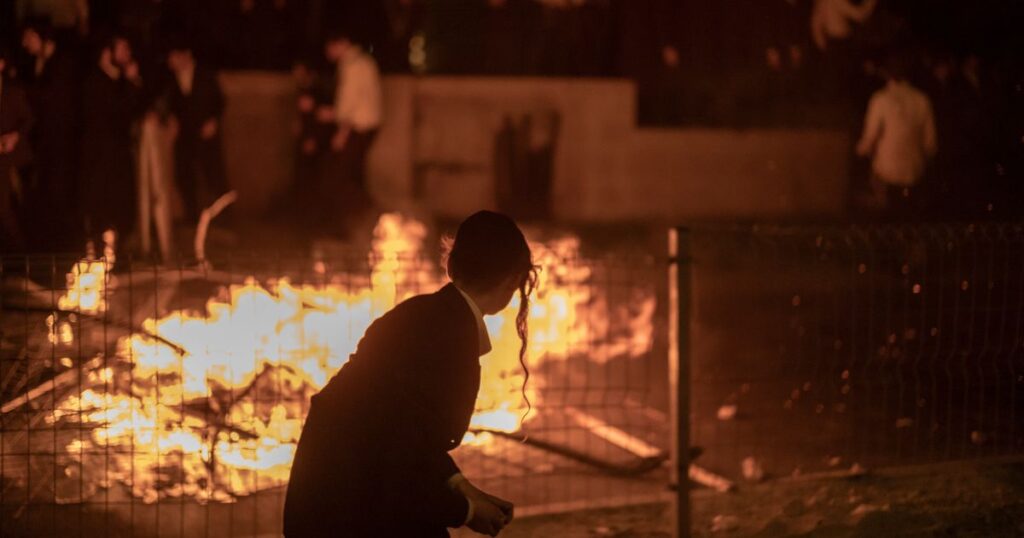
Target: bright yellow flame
{"x": 221, "y": 395}
{"x": 87, "y": 284}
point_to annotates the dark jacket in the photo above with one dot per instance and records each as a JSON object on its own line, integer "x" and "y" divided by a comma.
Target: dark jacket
{"x": 198, "y": 162}
{"x": 15, "y": 117}
{"x": 54, "y": 95}
{"x": 373, "y": 457}
{"x": 204, "y": 102}
{"x": 322, "y": 92}
{"x": 108, "y": 174}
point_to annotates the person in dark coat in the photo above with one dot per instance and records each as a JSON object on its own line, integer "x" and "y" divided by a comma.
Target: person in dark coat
{"x": 373, "y": 456}
{"x": 109, "y": 106}
{"x": 15, "y": 152}
{"x": 197, "y": 103}
{"x": 53, "y": 85}
{"x": 313, "y": 138}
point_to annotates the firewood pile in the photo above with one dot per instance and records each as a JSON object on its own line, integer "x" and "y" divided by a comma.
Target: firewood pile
{"x": 69, "y": 386}
{"x": 149, "y": 383}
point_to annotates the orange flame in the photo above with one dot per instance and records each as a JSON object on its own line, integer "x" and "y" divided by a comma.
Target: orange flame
{"x": 221, "y": 395}
{"x": 87, "y": 286}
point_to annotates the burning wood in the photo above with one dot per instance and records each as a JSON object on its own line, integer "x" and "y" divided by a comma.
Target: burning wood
{"x": 209, "y": 403}
{"x": 62, "y": 380}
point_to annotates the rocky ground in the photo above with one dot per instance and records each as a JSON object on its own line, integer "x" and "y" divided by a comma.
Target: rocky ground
{"x": 984, "y": 499}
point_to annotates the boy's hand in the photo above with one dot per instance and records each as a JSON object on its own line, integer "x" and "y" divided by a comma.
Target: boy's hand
{"x": 488, "y": 518}
{"x": 496, "y": 510}
{"x": 506, "y": 507}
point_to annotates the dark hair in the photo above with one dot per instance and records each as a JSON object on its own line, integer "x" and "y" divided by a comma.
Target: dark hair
{"x": 178, "y": 43}
{"x": 40, "y": 26}
{"x": 353, "y": 35}
{"x": 488, "y": 249}
{"x": 109, "y": 38}
{"x": 308, "y": 60}
{"x": 339, "y": 34}
{"x": 897, "y": 65}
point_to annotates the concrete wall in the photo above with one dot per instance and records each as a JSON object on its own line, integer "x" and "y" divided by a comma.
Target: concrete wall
{"x": 436, "y": 152}
{"x": 259, "y": 123}
{"x": 715, "y": 173}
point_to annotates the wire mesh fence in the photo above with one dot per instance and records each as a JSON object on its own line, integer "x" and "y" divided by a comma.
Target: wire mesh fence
{"x": 828, "y": 348}
{"x": 150, "y": 400}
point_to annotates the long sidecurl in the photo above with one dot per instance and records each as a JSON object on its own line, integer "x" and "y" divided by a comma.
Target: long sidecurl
{"x": 523, "y": 330}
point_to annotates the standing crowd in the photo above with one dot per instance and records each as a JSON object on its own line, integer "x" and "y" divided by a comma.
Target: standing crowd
{"x": 339, "y": 113}
{"x": 73, "y": 171}
{"x": 939, "y": 140}
{"x": 103, "y": 129}
{"x": 95, "y": 137}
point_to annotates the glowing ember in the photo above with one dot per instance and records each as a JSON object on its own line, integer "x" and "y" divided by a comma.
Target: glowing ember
{"x": 210, "y": 405}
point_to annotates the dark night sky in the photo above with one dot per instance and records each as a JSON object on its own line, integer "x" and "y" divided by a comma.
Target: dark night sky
{"x": 992, "y": 27}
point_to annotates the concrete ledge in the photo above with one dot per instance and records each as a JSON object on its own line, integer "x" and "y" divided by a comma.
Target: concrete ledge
{"x": 436, "y": 151}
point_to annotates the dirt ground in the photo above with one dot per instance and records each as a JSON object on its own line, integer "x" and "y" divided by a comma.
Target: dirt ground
{"x": 983, "y": 499}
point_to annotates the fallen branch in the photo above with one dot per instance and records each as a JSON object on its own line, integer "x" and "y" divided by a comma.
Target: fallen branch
{"x": 220, "y": 204}
{"x": 64, "y": 378}
{"x": 61, "y": 380}
{"x": 106, "y": 321}
{"x": 705, "y": 477}
{"x": 642, "y": 466}
{"x": 613, "y": 435}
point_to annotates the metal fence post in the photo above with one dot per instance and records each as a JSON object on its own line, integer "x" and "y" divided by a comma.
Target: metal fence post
{"x": 679, "y": 375}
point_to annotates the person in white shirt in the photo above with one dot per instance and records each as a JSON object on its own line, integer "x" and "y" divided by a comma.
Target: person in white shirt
{"x": 899, "y": 136}
{"x": 356, "y": 112}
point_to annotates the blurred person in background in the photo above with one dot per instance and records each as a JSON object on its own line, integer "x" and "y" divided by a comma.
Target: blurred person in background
{"x": 831, "y": 20}
{"x": 196, "y": 102}
{"x": 943, "y": 196}
{"x": 53, "y": 85}
{"x": 15, "y": 152}
{"x": 977, "y": 113}
{"x": 404, "y": 21}
{"x": 832, "y": 32}
{"x": 356, "y": 115}
{"x": 159, "y": 200}
{"x": 665, "y": 105}
{"x": 648, "y": 52}
{"x": 109, "y": 106}
{"x": 899, "y": 137}
{"x": 312, "y": 138}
